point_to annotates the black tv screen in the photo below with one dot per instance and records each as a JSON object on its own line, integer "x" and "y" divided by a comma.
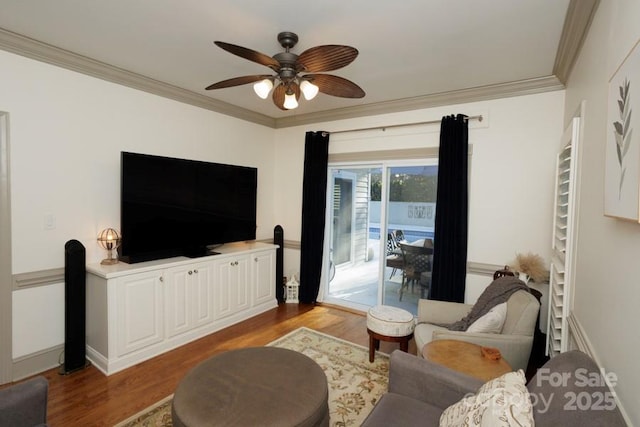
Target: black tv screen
{"x": 177, "y": 207}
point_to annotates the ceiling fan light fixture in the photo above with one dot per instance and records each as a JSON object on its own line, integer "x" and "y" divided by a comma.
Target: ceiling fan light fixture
{"x": 309, "y": 90}
{"x": 290, "y": 101}
{"x": 263, "y": 87}
{"x": 295, "y": 74}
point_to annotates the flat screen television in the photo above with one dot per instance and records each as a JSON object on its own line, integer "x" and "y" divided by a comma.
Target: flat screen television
{"x": 177, "y": 207}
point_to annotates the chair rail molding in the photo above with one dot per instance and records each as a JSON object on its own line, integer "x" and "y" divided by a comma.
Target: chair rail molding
{"x": 482, "y": 269}
{"x": 38, "y": 278}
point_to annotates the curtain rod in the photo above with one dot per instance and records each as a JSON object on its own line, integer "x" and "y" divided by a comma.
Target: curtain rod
{"x": 384, "y": 128}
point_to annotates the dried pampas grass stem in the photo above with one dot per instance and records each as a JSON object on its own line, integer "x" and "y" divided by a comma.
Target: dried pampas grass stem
{"x": 531, "y": 264}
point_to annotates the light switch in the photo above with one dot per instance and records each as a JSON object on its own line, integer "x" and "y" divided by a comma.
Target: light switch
{"x": 49, "y": 221}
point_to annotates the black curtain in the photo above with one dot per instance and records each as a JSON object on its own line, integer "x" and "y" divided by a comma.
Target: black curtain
{"x": 314, "y": 192}
{"x": 450, "y": 235}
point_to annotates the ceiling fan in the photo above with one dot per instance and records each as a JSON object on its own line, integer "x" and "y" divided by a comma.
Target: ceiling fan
{"x": 296, "y": 73}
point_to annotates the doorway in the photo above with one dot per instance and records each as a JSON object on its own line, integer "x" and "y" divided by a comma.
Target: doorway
{"x": 366, "y": 205}
{"x": 341, "y": 236}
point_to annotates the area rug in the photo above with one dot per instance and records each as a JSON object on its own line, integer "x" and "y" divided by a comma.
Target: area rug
{"x": 355, "y": 385}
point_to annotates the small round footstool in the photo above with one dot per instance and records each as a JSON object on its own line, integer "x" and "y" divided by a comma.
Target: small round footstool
{"x": 254, "y": 386}
{"x": 388, "y": 323}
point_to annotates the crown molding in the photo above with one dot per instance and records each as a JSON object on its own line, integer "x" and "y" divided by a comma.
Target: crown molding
{"x": 481, "y": 93}
{"x": 34, "y": 49}
{"x": 580, "y": 14}
{"x": 30, "y": 48}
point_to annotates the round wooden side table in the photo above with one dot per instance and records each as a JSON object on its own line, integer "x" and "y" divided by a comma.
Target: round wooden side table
{"x": 465, "y": 357}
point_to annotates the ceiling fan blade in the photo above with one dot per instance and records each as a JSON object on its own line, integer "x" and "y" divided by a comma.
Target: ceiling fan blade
{"x": 326, "y": 58}
{"x": 278, "y": 96}
{"x": 280, "y": 91}
{"x": 335, "y": 86}
{"x": 237, "y": 81}
{"x": 249, "y": 54}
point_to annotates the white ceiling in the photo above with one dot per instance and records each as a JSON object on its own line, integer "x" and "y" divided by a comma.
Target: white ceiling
{"x": 408, "y": 48}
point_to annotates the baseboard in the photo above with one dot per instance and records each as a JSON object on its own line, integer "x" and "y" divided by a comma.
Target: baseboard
{"x": 35, "y": 363}
{"x": 343, "y": 308}
{"x": 579, "y": 340}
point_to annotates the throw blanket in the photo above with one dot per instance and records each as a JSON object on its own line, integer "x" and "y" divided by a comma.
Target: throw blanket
{"x": 496, "y": 293}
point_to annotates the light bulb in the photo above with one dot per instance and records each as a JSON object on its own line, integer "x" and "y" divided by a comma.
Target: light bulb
{"x": 309, "y": 90}
{"x": 290, "y": 101}
{"x": 263, "y": 87}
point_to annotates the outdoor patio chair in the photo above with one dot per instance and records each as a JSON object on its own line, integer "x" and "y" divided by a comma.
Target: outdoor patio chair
{"x": 394, "y": 259}
{"x": 398, "y": 236}
{"x": 416, "y": 260}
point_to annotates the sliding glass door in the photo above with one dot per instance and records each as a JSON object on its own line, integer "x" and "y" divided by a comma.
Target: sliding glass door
{"x": 371, "y": 209}
{"x": 343, "y": 215}
{"x": 410, "y": 215}
{"x": 352, "y": 275}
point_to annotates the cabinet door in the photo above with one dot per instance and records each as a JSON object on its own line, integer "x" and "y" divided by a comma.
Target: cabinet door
{"x": 264, "y": 277}
{"x": 188, "y": 301}
{"x": 202, "y": 294}
{"x": 139, "y": 311}
{"x": 240, "y": 290}
{"x": 231, "y": 285}
{"x": 178, "y": 299}
{"x": 222, "y": 299}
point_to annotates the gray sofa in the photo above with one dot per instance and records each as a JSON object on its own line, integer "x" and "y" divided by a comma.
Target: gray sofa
{"x": 420, "y": 390}
{"x": 24, "y": 404}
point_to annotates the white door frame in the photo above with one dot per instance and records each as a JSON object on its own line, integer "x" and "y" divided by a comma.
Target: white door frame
{"x": 6, "y": 287}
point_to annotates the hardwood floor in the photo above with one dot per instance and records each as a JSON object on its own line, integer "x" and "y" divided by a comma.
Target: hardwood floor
{"x": 89, "y": 398}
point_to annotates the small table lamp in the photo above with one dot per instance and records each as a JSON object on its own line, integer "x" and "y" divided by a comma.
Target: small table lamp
{"x": 109, "y": 239}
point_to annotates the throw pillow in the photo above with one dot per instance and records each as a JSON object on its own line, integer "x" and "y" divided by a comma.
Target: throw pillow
{"x": 503, "y": 401}
{"x": 491, "y": 322}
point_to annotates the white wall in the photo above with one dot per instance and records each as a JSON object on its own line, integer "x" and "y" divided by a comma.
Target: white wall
{"x": 38, "y": 319}
{"x": 512, "y": 171}
{"x": 607, "y": 292}
{"x": 66, "y": 131}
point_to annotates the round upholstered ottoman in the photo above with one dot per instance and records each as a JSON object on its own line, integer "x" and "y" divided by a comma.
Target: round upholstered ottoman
{"x": 388, "y": 323}
{"x": 267, "y": 386}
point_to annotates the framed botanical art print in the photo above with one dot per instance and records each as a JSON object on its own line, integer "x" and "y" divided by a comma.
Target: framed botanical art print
{"x": 622, "y": 155}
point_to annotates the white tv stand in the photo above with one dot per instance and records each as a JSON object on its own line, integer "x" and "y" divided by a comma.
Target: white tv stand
{"x": 138, "y": 311}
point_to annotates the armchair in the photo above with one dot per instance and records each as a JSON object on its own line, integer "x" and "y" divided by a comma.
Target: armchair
{"x": 514, "y": 342}
{"x": 24, "y": 404}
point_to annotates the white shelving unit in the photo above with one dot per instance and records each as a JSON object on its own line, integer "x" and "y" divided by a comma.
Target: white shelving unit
{"x": 562, "y": 261}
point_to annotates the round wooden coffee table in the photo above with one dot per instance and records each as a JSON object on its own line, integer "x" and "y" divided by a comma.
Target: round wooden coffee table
{"x": 465, "y": 357}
